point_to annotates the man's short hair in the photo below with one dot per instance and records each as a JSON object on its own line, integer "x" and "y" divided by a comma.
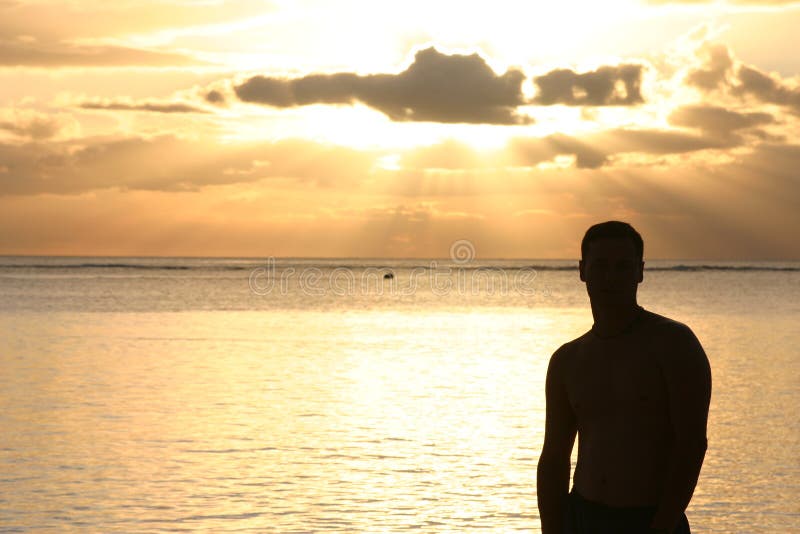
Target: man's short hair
{"x": 613, "y": 229}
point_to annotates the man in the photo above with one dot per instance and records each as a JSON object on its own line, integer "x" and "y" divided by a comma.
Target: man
{"x": 636, "y": 389}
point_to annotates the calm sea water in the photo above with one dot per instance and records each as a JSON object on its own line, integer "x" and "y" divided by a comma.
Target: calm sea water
{"x": 233, "y": 395}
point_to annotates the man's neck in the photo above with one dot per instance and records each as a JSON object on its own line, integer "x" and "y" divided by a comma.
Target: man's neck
{"x": 614, "y": 321}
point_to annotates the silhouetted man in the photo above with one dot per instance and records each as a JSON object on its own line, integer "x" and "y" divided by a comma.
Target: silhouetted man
{"x": 636, "y": 389}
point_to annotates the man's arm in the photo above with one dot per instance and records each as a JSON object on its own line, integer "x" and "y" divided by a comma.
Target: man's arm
{"x": 552, "y": 480}
{"x": 688, "y": 379}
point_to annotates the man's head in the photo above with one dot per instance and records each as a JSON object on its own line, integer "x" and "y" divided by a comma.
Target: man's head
{"x": 612, "y": 230}
{"x": 612, "y": 261}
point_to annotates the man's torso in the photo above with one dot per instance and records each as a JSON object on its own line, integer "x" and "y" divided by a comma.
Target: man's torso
{"x": 618, "y": 394}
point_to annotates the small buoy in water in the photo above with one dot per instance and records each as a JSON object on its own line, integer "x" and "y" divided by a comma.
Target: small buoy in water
{"x": 388, "y": 276}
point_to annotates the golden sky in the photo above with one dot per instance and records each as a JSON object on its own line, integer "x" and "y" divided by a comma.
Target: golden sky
{"x": 391, "y": 129}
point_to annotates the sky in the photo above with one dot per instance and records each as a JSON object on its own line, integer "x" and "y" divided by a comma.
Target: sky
{"x": 393, "y": 129}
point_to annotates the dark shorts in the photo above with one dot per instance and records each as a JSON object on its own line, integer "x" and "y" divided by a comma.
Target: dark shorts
{"x": 587, "y": 517}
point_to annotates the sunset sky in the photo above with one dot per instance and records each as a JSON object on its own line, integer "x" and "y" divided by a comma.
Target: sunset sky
{"x": 391, "y": 129}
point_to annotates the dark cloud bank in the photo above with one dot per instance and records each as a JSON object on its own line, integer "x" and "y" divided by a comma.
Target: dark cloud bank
{"x": 447, "y": 88}
{"x": 436, "y": 87}
{"x": 606, "y": 86}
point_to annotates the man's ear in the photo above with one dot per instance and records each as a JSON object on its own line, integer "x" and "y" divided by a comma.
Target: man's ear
{"x": 580, "y": 270}
{"x": 641, "y": 272}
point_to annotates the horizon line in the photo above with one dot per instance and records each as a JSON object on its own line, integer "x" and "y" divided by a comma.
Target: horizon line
{"x": 377, "y": 258}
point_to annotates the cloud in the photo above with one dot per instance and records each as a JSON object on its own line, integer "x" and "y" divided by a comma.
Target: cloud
{"x": 447, "y": 88}
{"x": 586, "y": 156}
{"x": 606, "y": 86}
{"x": 595, "y": 150}
{"x": 35, "y": 129}
{"x": 61, "y": 20}
{"x": 51, "y": 33}
{"x": 716, "y": 71}
{"x": 660, "y": 142}
{"x": 451, "y": 167}
{"x": 435, "y": 87}
{"x": 169, "y": 163}
{"x": 746, "y": 208}
{"x": 721, "y": 72}
{"x": 767, "y": 88}
{"x": 717, "y": 121}
{"x": 158, "y": 107}
{"x": 36, "y": 126}
{"x": 60, "y": 54}
{"x": 215, "y": 97}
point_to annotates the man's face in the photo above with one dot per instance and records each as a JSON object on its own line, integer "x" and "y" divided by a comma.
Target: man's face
{"x": 611, "y": 270}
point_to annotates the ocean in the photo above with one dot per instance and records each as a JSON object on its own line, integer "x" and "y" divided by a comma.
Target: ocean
{"x": 351, "y": 395}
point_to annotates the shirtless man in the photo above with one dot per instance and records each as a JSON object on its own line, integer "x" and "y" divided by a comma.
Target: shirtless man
{"x": 636, "y": 389}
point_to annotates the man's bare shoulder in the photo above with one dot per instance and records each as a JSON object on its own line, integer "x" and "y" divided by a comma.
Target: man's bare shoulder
{"x": 568, "y": 352}
{"x": 676, "y": 341}
{"x": 667, "y": 330}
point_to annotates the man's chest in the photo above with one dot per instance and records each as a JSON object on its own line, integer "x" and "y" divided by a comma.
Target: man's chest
{"x": 614, "y": 380}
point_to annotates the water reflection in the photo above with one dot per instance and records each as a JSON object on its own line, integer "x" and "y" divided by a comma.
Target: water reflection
{"x": 370, "y": 420}
{"x": 354, "y": 421}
